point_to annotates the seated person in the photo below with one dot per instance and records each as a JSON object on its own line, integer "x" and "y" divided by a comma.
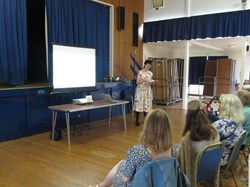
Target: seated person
{"x": 229, "y": 126}
{"x": 213, "y": 117}
{"x": 155, "y": 143}
{"x": 198, "y": 132}
{"x": 212, "y": 111}
{"x": 244, "y": 97}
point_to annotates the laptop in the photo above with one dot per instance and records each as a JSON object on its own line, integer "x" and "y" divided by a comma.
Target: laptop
{"x": 108, "y": 98}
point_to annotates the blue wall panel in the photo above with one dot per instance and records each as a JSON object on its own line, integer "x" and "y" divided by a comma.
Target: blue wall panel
{"x": 40, "y": 116}
{"x": 13, "y": 117}
{"x": 24, "y": 111}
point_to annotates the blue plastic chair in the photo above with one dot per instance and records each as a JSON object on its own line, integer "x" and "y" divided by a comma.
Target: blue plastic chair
{"x": 208, "y": 162}
{"x": 129, "y": 96}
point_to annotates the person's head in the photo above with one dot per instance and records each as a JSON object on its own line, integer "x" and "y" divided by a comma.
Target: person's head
{"x": 195, "y": 104}
{"x": 198, "y": 123}
{"x": 148, "y": 64}
{"x": 156, "y": 132}
{"x": 244, "y": 96}
{"x": 231, "y": 108}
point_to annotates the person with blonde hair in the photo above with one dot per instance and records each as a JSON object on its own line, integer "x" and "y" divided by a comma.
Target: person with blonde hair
{"x": 198, "y": 133}
{"x": 155, "y": 142}
{"x": 229, "y": 126}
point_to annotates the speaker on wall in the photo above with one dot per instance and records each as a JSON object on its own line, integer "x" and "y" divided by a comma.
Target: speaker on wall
{"x": 121, "y": 18}
{"x": 135, "y": 29}
{"x": 247, "y": 48}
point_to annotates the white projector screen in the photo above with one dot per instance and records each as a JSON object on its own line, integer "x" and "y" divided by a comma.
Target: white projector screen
{"x": 74, "y": 68}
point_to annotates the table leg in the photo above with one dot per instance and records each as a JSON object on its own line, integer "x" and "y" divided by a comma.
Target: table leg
{"x": 110, "y": 112}
{"x": 54, "y": 114}
{"x": 124, "y": 116}
{"x": 68, "y": 126}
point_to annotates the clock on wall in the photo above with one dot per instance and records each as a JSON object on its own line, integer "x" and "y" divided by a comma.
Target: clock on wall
{"x": 157, "y": 3}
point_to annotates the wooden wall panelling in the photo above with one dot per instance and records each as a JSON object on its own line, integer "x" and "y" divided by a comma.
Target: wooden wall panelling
{"x": 224, "y": 76}
{"x": 123, "y": 39}
{"x": 159, "y": 71}
{"x": 138, "y": 7}
{"x": 210, "y": 73}
{"x": 223, "y": 71}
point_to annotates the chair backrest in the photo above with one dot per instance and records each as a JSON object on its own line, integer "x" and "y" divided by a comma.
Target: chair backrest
{"x": 208, "y": 161}
{"x": 236, "y": 151}
{"x": 247, "y": 145}
{"x": 129, "y": 94}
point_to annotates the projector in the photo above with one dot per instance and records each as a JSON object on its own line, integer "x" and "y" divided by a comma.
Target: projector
{"x": 81, "y": 101}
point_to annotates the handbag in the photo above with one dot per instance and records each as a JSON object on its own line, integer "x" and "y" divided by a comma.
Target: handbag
{"x": 58, "y": 134}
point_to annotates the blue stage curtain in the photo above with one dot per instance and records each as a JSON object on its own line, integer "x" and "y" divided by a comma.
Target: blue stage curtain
{"x": 13, "y": 41}
{"x": 82, "y": 23}
{"x": 196, "y": 69}
{"x": 230, "y": 24}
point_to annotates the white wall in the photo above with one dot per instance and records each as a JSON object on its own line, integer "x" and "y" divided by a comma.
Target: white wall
{"x": 185, "y": 8}
{"x": 172, "y": 9}
{"x": 158, "y": 51}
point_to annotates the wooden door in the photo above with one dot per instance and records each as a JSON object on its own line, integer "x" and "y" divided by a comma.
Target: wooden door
{"x": 224, "y": 76}
{"x": 159, "y": 71}
{"x": 209, "y": 78}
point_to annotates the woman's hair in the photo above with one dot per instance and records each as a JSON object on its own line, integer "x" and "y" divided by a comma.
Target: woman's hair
{"x": 195, "y": 104}
{"x": 148, "y": 62}
{"x": 156, "y": 132}
{"x": 244, "y": 96}
{"x": 197, "y": 123}
{"x": 231, "y": 108}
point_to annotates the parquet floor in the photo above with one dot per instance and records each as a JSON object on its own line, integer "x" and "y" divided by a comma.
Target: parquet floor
{"x": 38, "y": 161}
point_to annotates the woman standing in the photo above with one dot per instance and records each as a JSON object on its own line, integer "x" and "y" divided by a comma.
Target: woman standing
{"x": 143, "y": 93}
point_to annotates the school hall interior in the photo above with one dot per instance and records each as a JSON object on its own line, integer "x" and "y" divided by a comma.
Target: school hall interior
{"x": 123, "y": 34}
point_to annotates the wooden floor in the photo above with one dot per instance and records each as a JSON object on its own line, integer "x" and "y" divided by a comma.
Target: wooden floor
{"x": 38, "y": 161}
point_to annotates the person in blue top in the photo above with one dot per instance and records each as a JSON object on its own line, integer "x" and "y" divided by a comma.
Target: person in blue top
{"x": 163, "y": 172}
{"x": 229, "y": 126}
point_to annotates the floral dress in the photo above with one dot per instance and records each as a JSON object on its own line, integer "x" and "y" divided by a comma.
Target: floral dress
{"x": 137, "y": 156}
{"x": 229, "y": 132}
{"x": 143, "y": 95}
